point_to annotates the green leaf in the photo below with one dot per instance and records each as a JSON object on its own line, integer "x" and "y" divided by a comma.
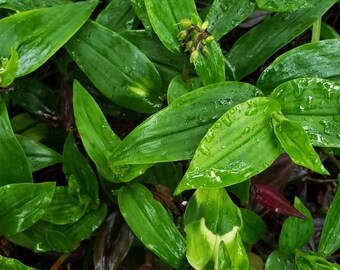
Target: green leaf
{"x": 20, "y": 5}
{"x": 98, "y": 138}
{"x": 212, "y": 225}
{"x": 9, "y": 68}
{"x": 118, "y": 15}
{"x": 42, "y": 32}
{"x": 296, "y": 232}
{"x": 263, "y": 40}
{"x": 180, "y": 86}
{"x": 140, "y": 10}
{"x": 14, "y": 167}
{"x": 328, "y": 32}
{"x": 226, "y": 155}
{"x": 117, "y": 68}
{"x": 224, "y": 15}
{"x": 296, "y": 143}
{"x": 76, "y": 165}
{"x": 253, "y": 226}
{"x": 280, "y": 261}
{"x": 173, "y": 133}
{"x": 283, "y": 5}
{"x": 330, "y": 237}
{"x": 310, "y": 261}
{"x": 22, "y": 205}
{"x": 241, "y": 190}
{"x": 9, "y": 263}
{"x": 44, "y": 236}
{"x": 318, "y": 60}
{"x": 38, "y": 155}
{"x": 210, "y": 67}
{"x": 152, "y": 224}
{"x": 313, "y": 103}
{"x": 165, "y": 17}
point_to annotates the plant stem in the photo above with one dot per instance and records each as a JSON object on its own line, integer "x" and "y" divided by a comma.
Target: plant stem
{"x": 60, "y": 261}
{"x": 316, "y": 31}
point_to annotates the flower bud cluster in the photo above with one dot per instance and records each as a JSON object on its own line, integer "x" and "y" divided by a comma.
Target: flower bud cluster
{"x": 194, "y": 38}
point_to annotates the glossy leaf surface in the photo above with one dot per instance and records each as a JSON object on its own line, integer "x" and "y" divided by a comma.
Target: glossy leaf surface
{"x": 165, "y": 17}
{"x": 253, "y": 226}
{"x": 330, "y": 237}
{"x": 20, "y": 5}
{"x": 152, "y": 224}
{"x": 132, "y": 82}
{"x": 314, "y": 103}
{"x": 283, "y": 5}
{"x": 179, "y": 87}
{"x": 49, "y": 29}
{"x": 9, "y": 68}
{"x": 310, "y": 60}
{"x": 224, "y": 15}
{"x": 174, "y": 132}
{"x": 140, "y": 10}
{"x": 296, "y": 233}
{"x": 212, "y": 225}
{"x": 21, "y": 205}
{"x": 38, "y": 155}
{"x": 263, "y": 40}
{"x": 226, "y": 155}
{"x": 280, "y": 261}
{"x": 9, "y": 263}
{"x": 296, "y": 143}
{"x": 44, "y": 236}
{"x": 310, "y": 261}
{"x": 14, "y": 167}
{"x": 98, "y": 142}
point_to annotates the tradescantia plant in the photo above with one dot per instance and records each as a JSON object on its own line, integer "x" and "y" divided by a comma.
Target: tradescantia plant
{"x": 149, "y": 134}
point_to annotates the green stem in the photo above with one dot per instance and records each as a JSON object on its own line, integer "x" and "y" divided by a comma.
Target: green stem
{"x": 316, "y": 31}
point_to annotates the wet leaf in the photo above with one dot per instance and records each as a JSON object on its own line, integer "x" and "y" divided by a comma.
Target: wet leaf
{"x": 131, "y": 82}
{"x": 296, "y": 143}
{"x": 14, "y": 166}
{"x": 20, "y": 5}
{"x": 226, "y": 155}
{"x": 296, "y": 233}
{"x": 253, "y": 226}
{"x": 22, "y": 205}
{"x": 274, "y": 201}
{"x": 42, "y": 32}
{"x": 283, "y": 5}
{"x": 318, "y": 60}
{"x": 280, "y": 261}
{"x": 173, "y": 133}
{"x": 180, "y": 86}
{"x": 9, "y": 263}
{"x": 314, "y": 104}
{"x": 263, "y": 40}
{"x": 140, "y": 10}
{"x": 9, "y": 68}
{"x": 152, "y": 224}
{"x": 310, "y": 261}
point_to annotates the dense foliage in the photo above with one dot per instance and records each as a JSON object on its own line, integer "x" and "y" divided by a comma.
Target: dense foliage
{"x": 167, "y": 134}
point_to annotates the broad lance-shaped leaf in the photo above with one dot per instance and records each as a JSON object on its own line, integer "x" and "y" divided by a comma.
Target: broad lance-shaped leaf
{"x": 42, "y": 32}
{"x": 280, "y": 261}
{"x": 296, "y": 143}
{"x": 224, "y": 15}
{"x": 165, "y": 17}
{"x": 180, "y": 86}
{"x": 174, "y": 132}
{"x": 9, "y": 68}
{"x": 296, "y": 233}
{"x": 318, "y": 60}
{"x": 212, "y": 225}
{"x": 328, "y": 32}
{"x": 117, "y": 68}
{"x": 330, "y": 237}
{"x": 22, "y": 205}
{"x": 140, "y": 10}
{"x": 226, "y": 155}
{"x": 283, "y": 5}
{"x": 152, "y": 224}
{"x": 311, "y": 261}
{"x": 263, "y": 40}
{"x": 253, "y": 226}
{"x": 314, "y": 103}
{"x": 20, "y": 5}
{"x": 14, "y": 166}
{"x": 98, "y": 138}
{"x": 44, "y": 236}
{"x": 10, "y": 263}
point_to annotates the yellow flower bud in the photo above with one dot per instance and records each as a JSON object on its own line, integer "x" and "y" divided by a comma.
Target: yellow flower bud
{"x": 205, "y": 25}
{"x": 194, "y": 56}
{"x": 182, "y": 35}
{"x": 209, "y": 39}
{"x": 185, "y": 23}
{"x": 189, "y": 45}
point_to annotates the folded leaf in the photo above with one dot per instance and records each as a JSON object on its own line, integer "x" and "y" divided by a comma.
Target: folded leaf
{"x": 14, "y": 166}
{"x": 226, "y": 155}
{"x": 310, "y": 261}
{"x": 42, "y": 32}
{"x": 180, "y": 86}
{"x": 296, "y": 233}
{"x": 9, "y": 68}
{"x": 318, "y": 60}
{"x": 296, "y": 143}
{"x": 263, "y": 40}
{"x": 152, "y": 224}
{"x": 165, "y": 17}
{"x": 22, "y": 205}
{"x": 9, "y": 263}
{"x": 140, "y": 10}
{"x": 283, "y": 5}
{"x": 314, "y": 103}
{"x": 280, "y": 261}
{"x": 20, "y": 5}
{"x": 173, "y": 133}
{"x": 132, "y": 82}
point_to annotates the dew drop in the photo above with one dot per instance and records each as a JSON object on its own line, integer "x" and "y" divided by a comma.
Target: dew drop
{"x": 252, "y": 110}
{"x": 309, "y": 100}
{"x": 246, "y": 130}
{"x": 209, "y": 136}
{"x": 225, "y": 101}
{"x": 226, "y": 120}
{"x": 204, "y": 150}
